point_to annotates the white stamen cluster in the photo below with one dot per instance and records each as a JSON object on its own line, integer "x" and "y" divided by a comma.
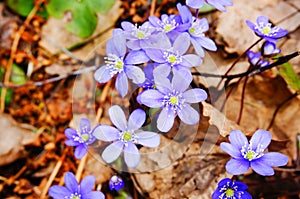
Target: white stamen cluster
{"x": 128, "y": 136}
{"x": 266, "y": 29}
{"x": 172, "y": 58}
{"x": 197, "y": 30}
{"x": 174, "y": 101}
{"x": 114, "y": 64}
{"x": 249, "y": 154}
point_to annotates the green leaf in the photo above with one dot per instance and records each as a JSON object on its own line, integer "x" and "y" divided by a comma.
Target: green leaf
{"x": 83, "y": 19}
{"x": 22, "y": 7}
{"x": 290, "y": 76}
{"x": 101, "y": 6}
{"x": 206, "y": 8}
{"x": 17, "y": 75}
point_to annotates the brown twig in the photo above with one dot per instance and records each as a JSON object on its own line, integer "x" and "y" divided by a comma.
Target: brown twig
{"x": 53, "y": 174}
{"x": 152, "y": 8}
{"x": 81, "y": 167}
{"x": 102, "y": 100}
{"x": 13, "y": 52}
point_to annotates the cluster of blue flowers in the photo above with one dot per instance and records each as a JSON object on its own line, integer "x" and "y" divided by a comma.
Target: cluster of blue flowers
{"x": 264, "y": 29}
{"x": 155, "y": 57}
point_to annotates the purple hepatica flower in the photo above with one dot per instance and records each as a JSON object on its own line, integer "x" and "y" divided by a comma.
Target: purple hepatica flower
{"x": 227, "y": 189}
{"x": 138, "y": 36}
{"x": 125, "y": 136}
{"x": 173, "y": 57}
{"x": 73, "y": 190}
{"x": 256, "y": 60}
{"x": 245, "y": 155}
{"x": 219, "y": 4}
{"x": 167, "y": 24}
{"x": 174, "y": 99}
{"x": 116, "y": 183}
{"x": 269, "y": 49}
{"x": 149, "y": 81}
{"x": 195, "y": 28}
{"x": 264, "y": 29}
{"x": 117, "y": 63}
{"x": 81, "y": 139}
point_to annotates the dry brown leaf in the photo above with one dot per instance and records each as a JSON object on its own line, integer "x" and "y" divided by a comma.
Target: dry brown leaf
{"x": 13, "y": 139}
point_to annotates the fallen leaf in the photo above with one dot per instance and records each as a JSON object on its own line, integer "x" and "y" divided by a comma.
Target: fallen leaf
{"x": 13, "y": 139}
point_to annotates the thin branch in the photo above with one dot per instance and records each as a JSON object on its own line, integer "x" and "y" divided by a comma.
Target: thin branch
{"x": 279, "y": 107}
{"x": 242, "y": 101}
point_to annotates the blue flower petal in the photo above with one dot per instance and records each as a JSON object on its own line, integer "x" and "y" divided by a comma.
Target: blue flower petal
{"x": 182, "y": 43}
{"x": 196, "y": 4}
{"x": 181, "y": 81}
{"x": 198, "y": 48}
{"x": 237, "y": 167}
{"x": 71, "y": 182}
{"x": 85, "y": 125}
{"x": 69, "y": 132}
{"x": 162, "y": 70}
{"x": 135, "y": 73}
{"x": 165, "y": 120}
{"x": 231, "y": 150}
{"x": 261, "y": 168}
{"x": 87, "y": 184}
{"x": 136, "y": 57}
{"x": 94, "y": 195}
{"x": 80, "y": 151}
{"x": 261, "y": 139}
{"x": 192, "y": 60}
{"x": 148, "y": 139}
{"x": 122, "y": 84}
{"x": 188, "y": 115}
{"x": 117, "y": 117}
{"x": 71, "y": 143}
{"x": 238, "y": 139}
{"x": 102, "y": 74}
{"x": 106, "y": 133}
{"x": 151, "y": 98}
{"x": 58, "y": 192}
{"x": 136, "y": 119}
{"x": 156, "y": 55}
{"x": 195, "y": 95}
{"x": 112, "y": 152}
{"x": 206, "y": 43}
{"x": 131, "y": 155}
{"x": 274, "y": 159}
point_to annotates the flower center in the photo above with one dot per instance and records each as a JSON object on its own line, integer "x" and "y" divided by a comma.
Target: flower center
{"x": 114, "y": 64}
{"x": 229, "y": 192}
{"x": 172, "y": 58}
{"x": 140, "y": 34}
{"x": 168, "y": 28}
{"x": 173, "y": 100}
{"x": 250, "y": 154}
{"x": 85, "y": 137}
{"x": 73, "y": 196}
{"x": 266, "y": 30}
{"x": 192, "y": 30}
{"x": 127, "y": 136}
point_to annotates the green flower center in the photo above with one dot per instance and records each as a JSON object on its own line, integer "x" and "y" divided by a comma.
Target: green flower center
{"x": 75, "y": 197}
{"x": 192, "y": 30}
{"x": 266, "y": 30}
{"x": 140, "y": 34}
{"x": 85, "y": 137}
{"x": 172, "y": 59}
{"x": 127, "y": 136}
{"x": 119, "y": 64}
{"x": 250, "y": 155}
{"x": 168, "y": 28}
{"x": 229, "y": 193}
{"x": 173, "y": 100}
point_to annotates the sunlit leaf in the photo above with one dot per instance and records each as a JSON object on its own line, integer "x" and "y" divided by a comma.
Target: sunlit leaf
{"x": 290, "y": 76}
